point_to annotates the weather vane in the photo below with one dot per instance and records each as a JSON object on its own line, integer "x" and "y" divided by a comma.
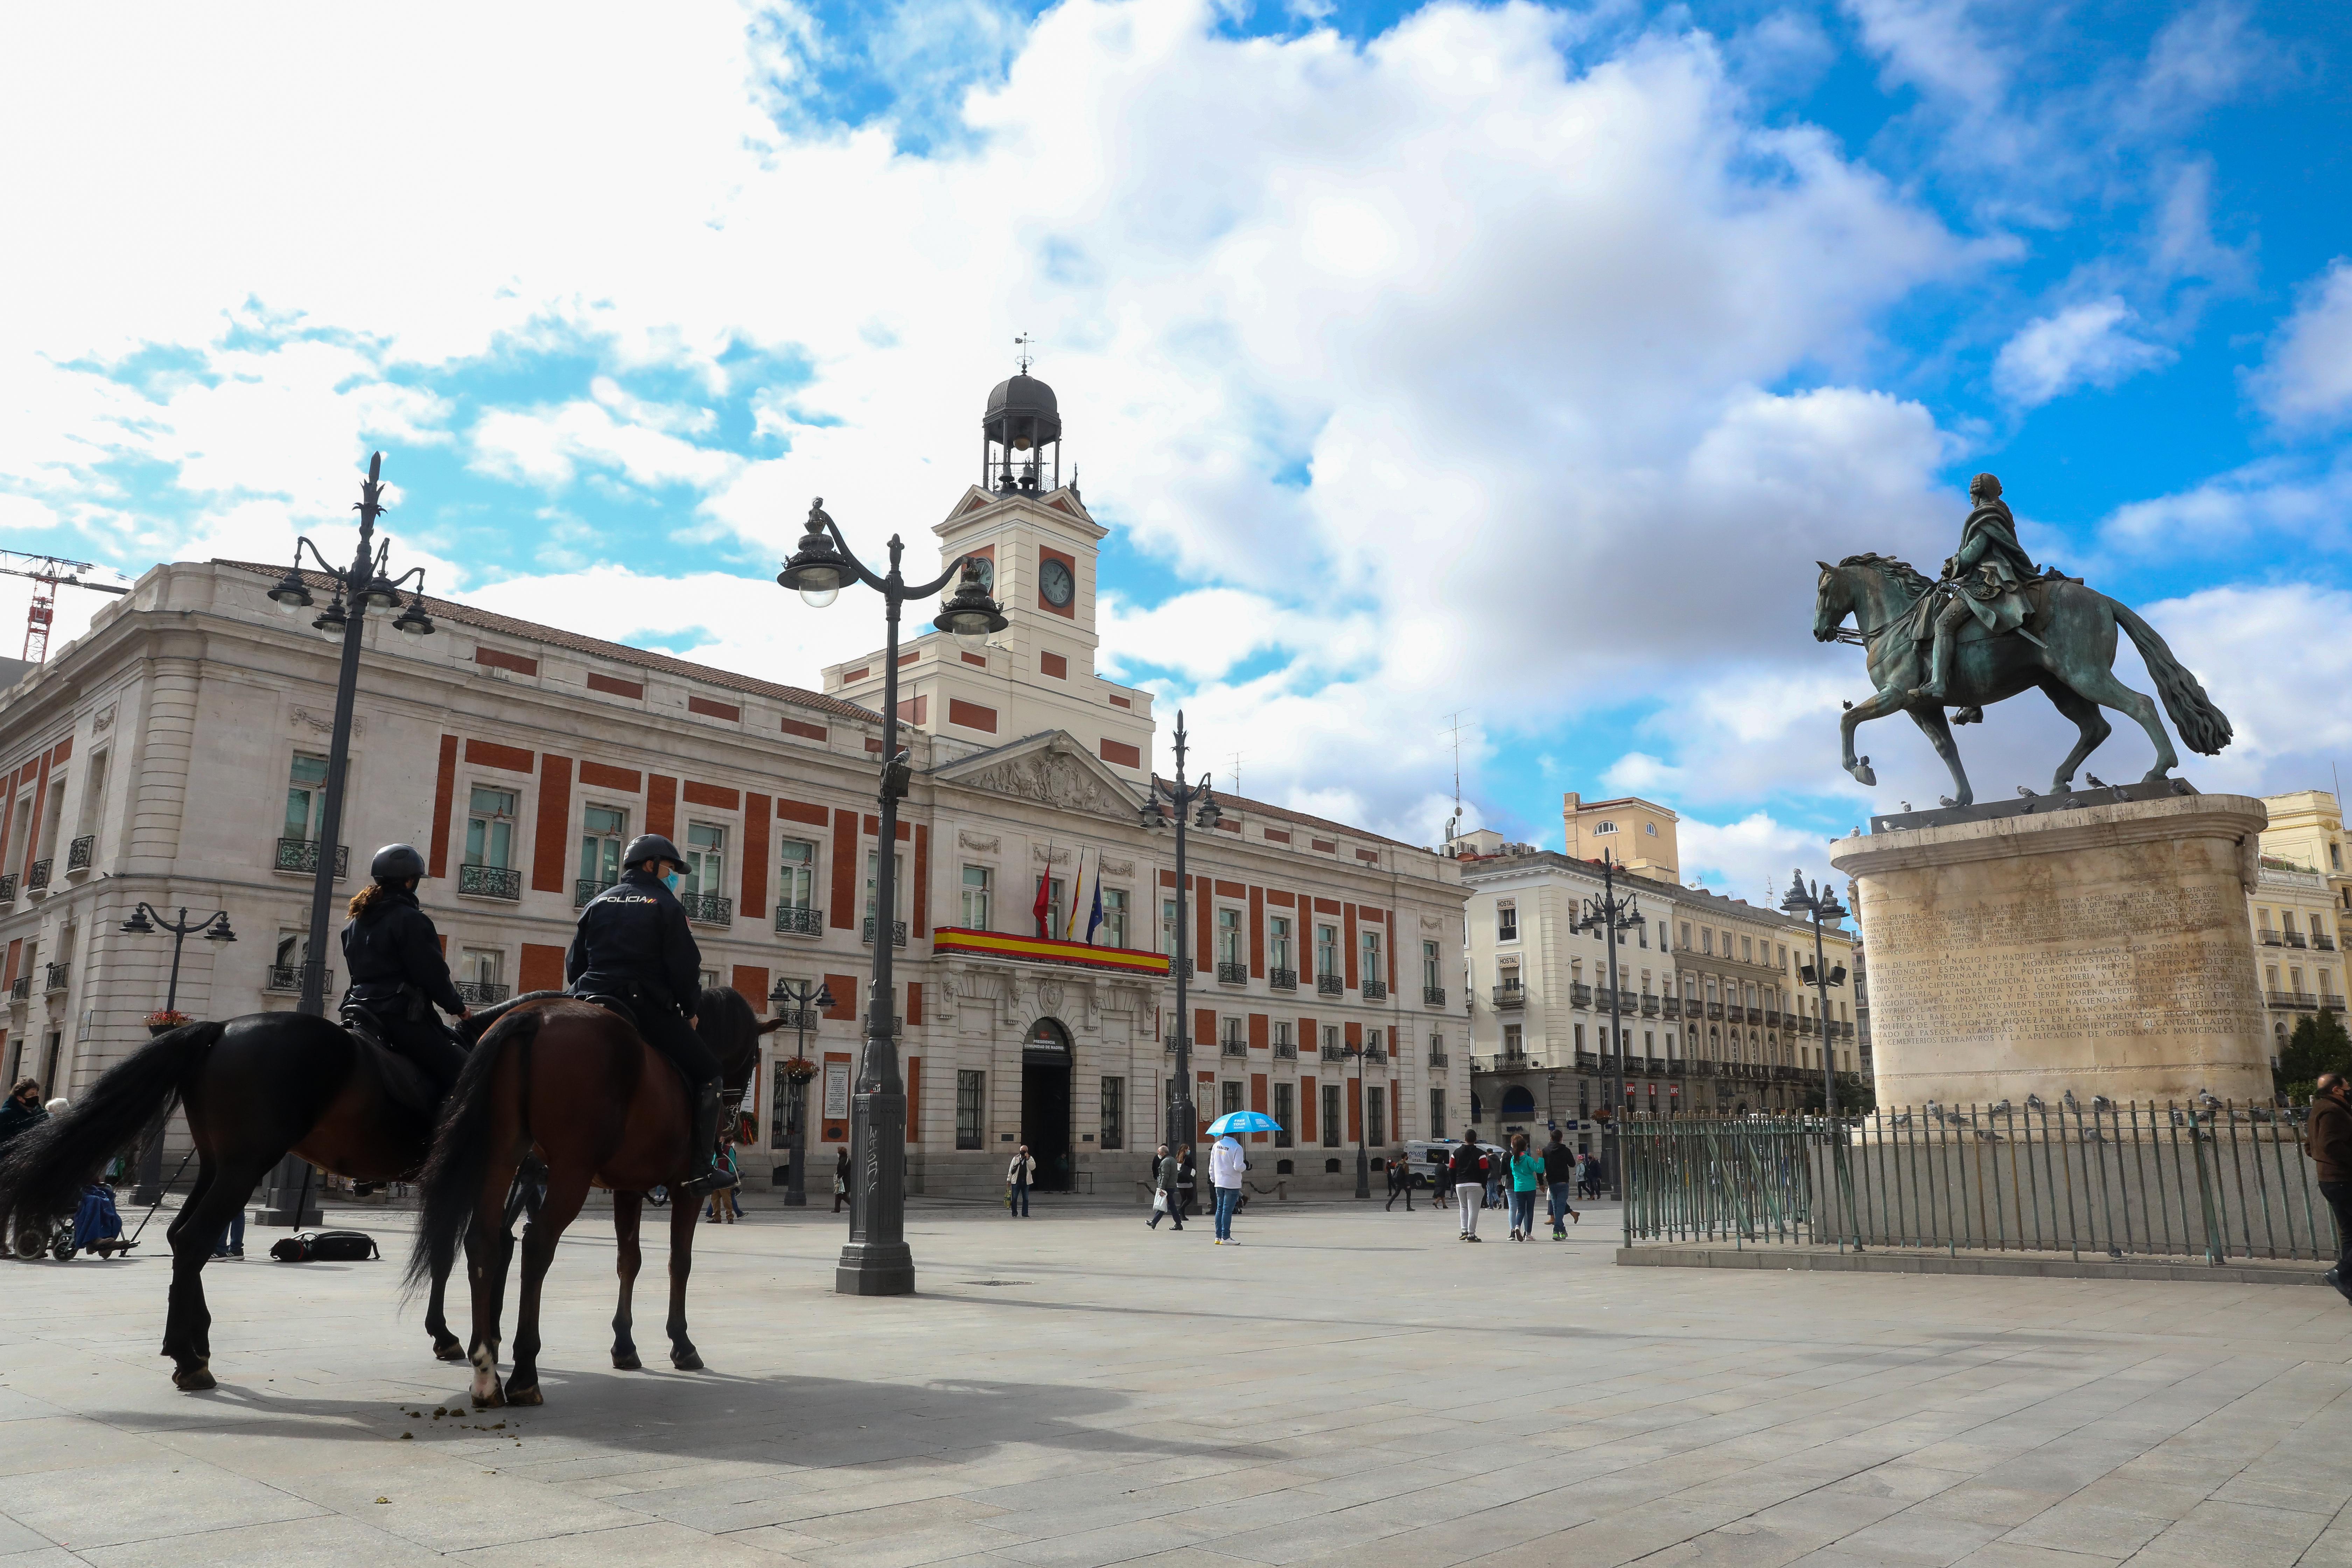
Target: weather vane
{"x": 1024, "y": 342}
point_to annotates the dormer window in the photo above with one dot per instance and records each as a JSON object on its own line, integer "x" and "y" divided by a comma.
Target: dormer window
{"x": 1601, "y": 827}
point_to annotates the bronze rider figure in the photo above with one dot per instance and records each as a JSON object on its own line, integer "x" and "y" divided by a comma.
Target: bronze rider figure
{"x": 1985, "y": 578}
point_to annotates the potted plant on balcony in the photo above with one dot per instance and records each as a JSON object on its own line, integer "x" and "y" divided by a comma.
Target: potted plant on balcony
{"x": 797, "y": 1069}
{"x": 164, "y": 1020}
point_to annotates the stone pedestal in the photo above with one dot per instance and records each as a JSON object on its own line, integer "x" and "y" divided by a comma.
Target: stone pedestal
{"x": 2103, "y": 950}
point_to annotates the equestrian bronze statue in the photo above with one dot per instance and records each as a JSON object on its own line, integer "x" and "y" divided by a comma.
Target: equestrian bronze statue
{"x": 1994, "y": 625}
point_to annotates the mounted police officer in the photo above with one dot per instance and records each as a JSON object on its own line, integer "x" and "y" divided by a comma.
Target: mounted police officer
{"x": 634, "y": 946}
{"x": 398, "y": 974}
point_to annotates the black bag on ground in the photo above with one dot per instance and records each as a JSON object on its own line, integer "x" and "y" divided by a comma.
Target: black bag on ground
{"x": 326, "y": 1246}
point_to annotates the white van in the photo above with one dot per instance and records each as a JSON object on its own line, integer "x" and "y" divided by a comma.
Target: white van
{"x": 1427, "y": 1156}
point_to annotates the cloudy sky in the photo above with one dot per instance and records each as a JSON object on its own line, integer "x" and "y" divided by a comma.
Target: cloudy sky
{"x": 1506, "y": 360}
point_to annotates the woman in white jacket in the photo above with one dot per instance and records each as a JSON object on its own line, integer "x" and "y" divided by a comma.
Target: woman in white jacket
{"x": 1226, "y": 1164}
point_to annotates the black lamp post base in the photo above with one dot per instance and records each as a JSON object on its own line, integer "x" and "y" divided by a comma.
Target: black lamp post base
{"x": 875, "y": 1269}
{"x": 796, "y": 1200}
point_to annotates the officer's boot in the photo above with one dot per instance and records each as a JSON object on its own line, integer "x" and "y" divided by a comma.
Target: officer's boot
{"x": 702, "y": 1131}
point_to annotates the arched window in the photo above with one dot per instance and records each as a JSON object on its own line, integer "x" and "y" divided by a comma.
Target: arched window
{"x": 1517, "y": 1101}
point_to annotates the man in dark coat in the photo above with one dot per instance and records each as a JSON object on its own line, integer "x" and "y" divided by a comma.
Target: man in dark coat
{"x": 1985, "y": 579}
{"x": 398, "y": 974}
{"x": 2328, "y": 1142}
{"x": 632, "y": 944}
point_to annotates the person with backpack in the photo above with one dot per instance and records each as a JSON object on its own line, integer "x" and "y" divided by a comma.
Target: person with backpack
{"x": 1467, "y": 1169}
{"x": 1560, "y": 1169}
{"x": 1526, "y": 1173}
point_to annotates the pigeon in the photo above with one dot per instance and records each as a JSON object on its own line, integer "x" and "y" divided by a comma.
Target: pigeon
{"x": 2069, "y": 1102}
{"x": 2025, "y": 792}
{"x": 1987, "y": 1135}
{"x": 2101, "y": 1102}
{"x": 2001, "y": 1109}
{"x": 1906, "y": 806}
{"x": 1902, "y": 1121}
{"x": 1946, "y": 800}
{"x": 2209, "y": 1099}
{"x": 2034, "y": 1102}
{"x": 2097, "y": 781}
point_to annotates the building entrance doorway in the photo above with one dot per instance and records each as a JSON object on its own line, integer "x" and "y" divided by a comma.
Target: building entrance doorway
{"x": 1045, "y": 1062}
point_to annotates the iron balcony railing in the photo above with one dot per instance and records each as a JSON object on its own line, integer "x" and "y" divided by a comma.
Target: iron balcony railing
{"x": 2210, "y": 1180}
{"x": 1328, "y": 985}
{"x": 797, "y": 1018}
{"x": 1580, "y": 995}
{"x": 1649, "y": 1005}
{"x": 1282, "y": 979}
{"x": 288, "y": 977}
{"x": 585, "y": 889}
{"x": 1603, "y": 999}
{"x": 1587, "y": 1061}
{"x": 490, "y": 882}
{"x": 55, "y": 976}
{"x": 799, "y": 920}
{"x": 2270, "y": 938}
{"x": 2294, "y": 938}
{"x": 2301, "y": 1000}
{"x": 1376, "y": 1054}
{"x": 1233, "y": 974}
{"x": 2323, "y": 941}
{"x": 1512, "y": 995}
{"x": 1233, "y": 1048}
{"x": 1674, "y": 1006}
{"x": 80, "y": 853}
{"x": 8, "y": 889}
{"x": 301, "y": 855}
{"x": 21, "y": 988}
{"x": 1285, "y": 1050}
{"x": 1376, "y": 990}
{"x": 898, "y": 931}
{"x": 483, "y": 992}
{"x": 708, "y": 908}
{"x": 37, "y": 876}
{"x": 1437, "y": 1059}
{"x": 1433, "y": 995}
{"x": 1735, "y": 1012}
{"x": 1335, "y": 1053}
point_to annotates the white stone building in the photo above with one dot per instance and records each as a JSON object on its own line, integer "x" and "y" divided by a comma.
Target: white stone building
{"x": 176, "y": 754}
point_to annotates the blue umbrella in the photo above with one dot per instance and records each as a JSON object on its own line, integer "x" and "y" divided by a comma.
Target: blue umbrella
{"x": 1243, "y": 1121}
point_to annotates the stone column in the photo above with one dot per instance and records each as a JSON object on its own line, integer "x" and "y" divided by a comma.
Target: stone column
{"x": 2103, "y": 950}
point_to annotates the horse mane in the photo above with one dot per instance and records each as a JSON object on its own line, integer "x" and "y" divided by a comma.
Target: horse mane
{"x": 1902, "y": 572}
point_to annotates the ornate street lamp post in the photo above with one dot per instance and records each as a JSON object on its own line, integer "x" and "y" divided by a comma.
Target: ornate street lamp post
{"x": 1363, "y": 1155}
{"x": 799, "y": 996}
{"x": 1820, "y": 905}
{"x": 357, "y": 588}
{"x": 145, "y": 920}
{"x": 1178, "y": 804}
{"x": 1608, "y": 915}
{"x": 876, "y": 1260}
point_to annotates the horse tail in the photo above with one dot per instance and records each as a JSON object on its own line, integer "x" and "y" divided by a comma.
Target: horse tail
{"x": 44, "y": 1169}
{"x": 451, "y": 1180}
{"x": 2203, "y": 728}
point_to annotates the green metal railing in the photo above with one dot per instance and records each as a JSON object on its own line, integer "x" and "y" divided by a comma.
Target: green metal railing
{"x": 2211, "y": 1179}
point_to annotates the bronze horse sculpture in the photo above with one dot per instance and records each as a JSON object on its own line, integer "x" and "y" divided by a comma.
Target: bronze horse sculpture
{"x": 2066, "y": 647}
{"x": 573, "y": 1084}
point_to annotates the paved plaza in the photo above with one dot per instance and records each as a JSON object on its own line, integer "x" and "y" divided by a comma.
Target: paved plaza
{"x": 1350, "y": 1386}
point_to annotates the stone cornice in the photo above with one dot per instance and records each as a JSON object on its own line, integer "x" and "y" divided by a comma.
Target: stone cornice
{"x": 2235, "y": 816}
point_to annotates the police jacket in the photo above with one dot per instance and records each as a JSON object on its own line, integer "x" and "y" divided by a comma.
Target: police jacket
{"x": 633, "y": 938}
{"x": 393, "y": 943}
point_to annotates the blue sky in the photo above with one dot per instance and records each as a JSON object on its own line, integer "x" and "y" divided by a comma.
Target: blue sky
{"x": 1509, "y": 361}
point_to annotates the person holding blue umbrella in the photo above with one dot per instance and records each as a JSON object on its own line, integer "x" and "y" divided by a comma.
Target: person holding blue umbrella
{"x": 1226, "y": 1164}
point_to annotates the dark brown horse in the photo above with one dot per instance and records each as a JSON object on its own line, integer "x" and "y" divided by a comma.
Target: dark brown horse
{"x": 255, "y": 1087}
{"x": 576, "y": 1085}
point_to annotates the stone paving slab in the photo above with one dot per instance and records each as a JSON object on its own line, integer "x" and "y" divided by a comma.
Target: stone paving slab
{"x": 1347, "y": 1387}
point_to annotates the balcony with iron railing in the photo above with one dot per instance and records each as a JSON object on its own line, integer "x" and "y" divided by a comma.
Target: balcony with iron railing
{"x": 2270, "y": 938}
{"x": 2323, "y": 941}
{"x": 37, "y": 877}
{"x": 1734, "y": 1012}
{"x": 897, "y": 932}
{"x": 502, "y": 882}
{"x": 483, "y": 992}
{"x": 80, "y": 853}
{"x": 708, "y": 908}
{"x": 287, "y": 978}
{"x": 799, "y": 920}
{"x": 1437, "y": 1059}
{"x": 1511, "y": 996}
{"x": 1674, "y": 1006}
{"x": 1328, "y": 985}
{"x": 1433, "y": 995}
{"x": 8, "y": 889}
{"x": 1376, "y": 1054}
{"x": 1649, "y": 1005}
{"x": 300, "y": 857}
{"x": 1282, "y": 979}
{"x": 585, "y": 889}
{"x": 1580, "y": 995}
{"x": 798, "y": 1019}
{"x": 1232, "y": 973}
{"x": 1285, "y": 1050}
{"x": 1715, "y": 1010}
{"x": 2301, "y": 1001}
{"x": 1233, "y": 1048}
{"x": 1333, "y": 1053}
{"x": 55, "y": 977}
{"x": 21, "y": 988}
{"x": 1587, "y": 1061}
{"x": 2294, "y": 938}
{"x": 1376, "y": 990}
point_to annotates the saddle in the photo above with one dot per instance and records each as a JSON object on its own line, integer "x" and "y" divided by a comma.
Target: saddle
{"x": 403, "y": 1080}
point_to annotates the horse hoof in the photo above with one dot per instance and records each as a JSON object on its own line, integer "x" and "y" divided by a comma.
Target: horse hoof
{"x": 627, "y": 1361}
{"x": 491, "y": 1401}
{"x": 448, "y": 1350}
{"x": 1864, "y": 774}
{"x": 194, "y": 1380}
{"x": 686, "y": 1361}
{"x": 530, "y": 1395}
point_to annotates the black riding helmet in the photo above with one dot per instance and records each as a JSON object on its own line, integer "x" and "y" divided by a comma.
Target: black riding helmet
{"x": 396, "y": 863}
{"x": 648, "y": 846}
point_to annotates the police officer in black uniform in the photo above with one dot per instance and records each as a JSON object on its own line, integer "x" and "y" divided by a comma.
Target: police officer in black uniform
{"x": 632, "y": 944}
{"x": 398, "y": 975}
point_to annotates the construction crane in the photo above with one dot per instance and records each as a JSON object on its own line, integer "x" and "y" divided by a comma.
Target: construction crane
{"x": 49, "y": 574}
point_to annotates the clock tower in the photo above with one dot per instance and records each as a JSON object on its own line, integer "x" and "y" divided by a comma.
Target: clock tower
{"x": 1038, "y": 545}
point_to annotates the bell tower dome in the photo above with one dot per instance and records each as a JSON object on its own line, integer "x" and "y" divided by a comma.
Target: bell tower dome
{"x": 1021, "y": 421}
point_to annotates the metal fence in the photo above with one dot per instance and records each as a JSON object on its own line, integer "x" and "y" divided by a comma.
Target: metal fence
{"x": 2211, "y": 1179}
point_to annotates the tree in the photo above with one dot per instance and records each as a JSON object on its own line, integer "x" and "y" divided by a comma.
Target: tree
{"x": 2318, "y": 1045}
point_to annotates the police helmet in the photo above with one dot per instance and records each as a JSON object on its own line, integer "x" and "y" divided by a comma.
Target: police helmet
{"x": 648, "y": 846}
{"x": 396, "y": 863}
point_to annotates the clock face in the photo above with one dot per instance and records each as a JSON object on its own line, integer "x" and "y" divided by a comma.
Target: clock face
{"x": 1054, "y": 581}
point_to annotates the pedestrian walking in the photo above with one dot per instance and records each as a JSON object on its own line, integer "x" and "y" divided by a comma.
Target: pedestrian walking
{"x": 1400, "y": 1182}
{"x": 1494, "y": 1184}
{"x": 1526, "y": 1171}
{"x": 1017, "y": 1177}
{"x": 1166, "y": 1200}
{"x": 1559, "y": 1168}
{"x": 2328, "y": 1142}
{"x": 1226, "y": 1164}
{"x": 1441, "y": 1181}
{"x": 1469, "y": 1174}
{"x": 840, "y": 1179}
{"x": 1588, "y": 1175}
{"x": 722, "y": 1208}
{"x": 1188, "y": 1177}
{"x": 23, "y": 1110}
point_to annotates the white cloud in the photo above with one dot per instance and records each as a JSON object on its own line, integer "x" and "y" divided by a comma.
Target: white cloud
{"x": 2307, "y": 378}
{"x": 2086, "y": 344}
{"x": 1744, "y": 859}
{"x": 2274, "y": 658}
